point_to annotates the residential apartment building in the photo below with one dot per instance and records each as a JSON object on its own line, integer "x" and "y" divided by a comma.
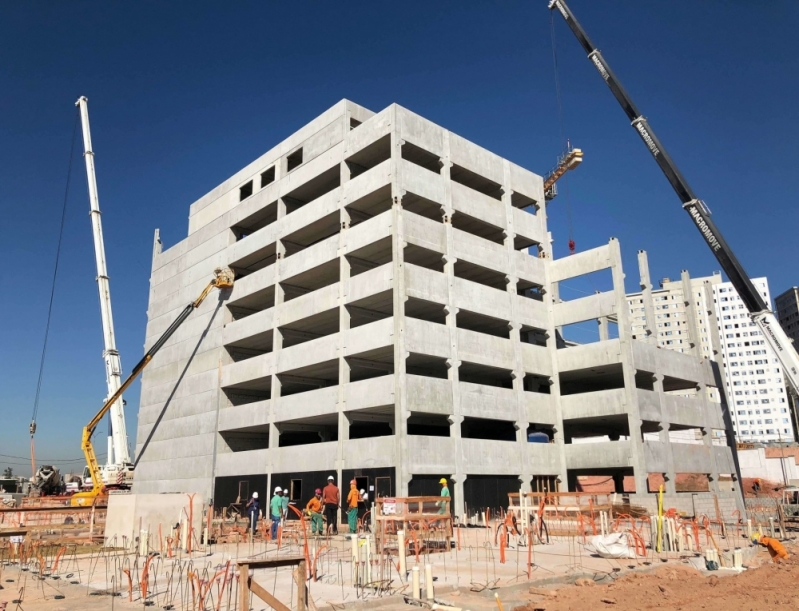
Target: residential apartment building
{"x": 753, "y": 378}
{"x": 394, "y": 321}
{"x": 787, "y": 305}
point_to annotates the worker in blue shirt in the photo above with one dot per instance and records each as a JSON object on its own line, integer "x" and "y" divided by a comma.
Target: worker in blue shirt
{"x": 253, "y": 511}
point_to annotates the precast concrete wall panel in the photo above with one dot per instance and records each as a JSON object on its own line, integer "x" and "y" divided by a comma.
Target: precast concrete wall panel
{"x": 428, "y": 395}
{"x": 481, "y": 401}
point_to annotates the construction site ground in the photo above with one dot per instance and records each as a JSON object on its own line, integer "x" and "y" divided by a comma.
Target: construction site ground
{"x": 469, "y": 578}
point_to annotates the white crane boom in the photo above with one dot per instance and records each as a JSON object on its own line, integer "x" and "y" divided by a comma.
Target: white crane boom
{"x": 113, "y": 367}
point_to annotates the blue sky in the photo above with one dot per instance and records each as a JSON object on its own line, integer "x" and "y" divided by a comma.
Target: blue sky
{"x": 182, "y": 95}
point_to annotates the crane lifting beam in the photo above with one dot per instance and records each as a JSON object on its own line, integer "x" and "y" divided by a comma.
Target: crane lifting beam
{"x": 568, "y": 161}
{"x": 696, "y": 209}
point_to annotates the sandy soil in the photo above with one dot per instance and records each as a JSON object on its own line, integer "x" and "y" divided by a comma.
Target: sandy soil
{"x": 673, "y": 587}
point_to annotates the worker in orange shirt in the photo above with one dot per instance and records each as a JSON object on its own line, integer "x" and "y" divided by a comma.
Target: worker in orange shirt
{"x": 775, "y": 548}
{"x": 314, "y": 511}
{"x": 352, "y": 506}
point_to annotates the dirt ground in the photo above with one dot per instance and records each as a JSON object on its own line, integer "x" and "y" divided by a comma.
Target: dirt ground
{"x": 679, "y": 587}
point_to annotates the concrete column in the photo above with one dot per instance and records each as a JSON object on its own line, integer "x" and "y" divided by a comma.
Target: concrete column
{"x": 646, "y": 294}
{"x": 690, "y": 314}
{"x": 671, "y": 476}
{"x": 604, "y": 335}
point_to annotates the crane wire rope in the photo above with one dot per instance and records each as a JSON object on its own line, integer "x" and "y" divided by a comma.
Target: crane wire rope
{"x": 562, "y": 123}
{"x": 32, "y": 427}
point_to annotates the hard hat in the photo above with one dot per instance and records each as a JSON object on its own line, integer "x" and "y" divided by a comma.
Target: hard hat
{"x": 318, "y": 491}
{"x": 442, "y": 481}
{"x": 353, "y": 482}
{"x": 363, "y": 491}
{"x": 278, "y": 489}
{"x": 755, "y": 537}
{"x": 330, "y": 478}
{"x": 255, "y": 495}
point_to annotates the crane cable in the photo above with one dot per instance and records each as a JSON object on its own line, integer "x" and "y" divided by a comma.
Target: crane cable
{"x": 32, "y": 427}
{"x": 564, "y": 141}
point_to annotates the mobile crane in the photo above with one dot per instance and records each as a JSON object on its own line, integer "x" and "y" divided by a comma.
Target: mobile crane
{"x": 223, "y": 279}
{"x": 759, "y": 311}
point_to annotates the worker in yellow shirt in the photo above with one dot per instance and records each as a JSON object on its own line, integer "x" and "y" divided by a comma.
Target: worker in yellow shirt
{"x": 352, "y": 506}
{"x": 776, "y": 549}
{"x": 314, "y": 510}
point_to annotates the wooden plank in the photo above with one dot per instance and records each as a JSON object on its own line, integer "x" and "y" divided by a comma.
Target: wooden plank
{"x": 267, "y": 597}
{"x": 302, "y": 593}
{"x": 271, "y": 563}
{"x": 244, "y": 586}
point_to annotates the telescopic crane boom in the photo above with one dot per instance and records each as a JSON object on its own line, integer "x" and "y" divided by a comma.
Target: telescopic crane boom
{"x": 696, "y": 209}
{"x": 223, "y": 279}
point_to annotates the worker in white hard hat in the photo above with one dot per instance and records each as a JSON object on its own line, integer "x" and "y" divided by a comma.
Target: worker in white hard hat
{"x": 331, "y": 498}
{"x": 253, "y": 508}
{"x": 276, "y": 510}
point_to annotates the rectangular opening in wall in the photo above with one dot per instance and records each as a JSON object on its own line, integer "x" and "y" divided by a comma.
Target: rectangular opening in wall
{"x": 679, "y": 433}
{"x": 312, "y": 377}
{"x": 253, "y": 303}
{"x": 294, "y": 160}
{"x": 533, "y": 335}
{"x": 692, "y": 482}
{"x": 316, "y": 187}
{"x": 256, "y": 260}
{"x": 370, "y": 156}
{"x": 308, "y": 431}
{"x": 523, "y": 202}
{"x": 644, "y": 380}
{"x": 372, "y": 422}
{"x": 675, "y": 385}
{"x": 425, "y": 310}
{"x": 536, "y": 383}
{"x": 478, "y": 227}
{"x": 371, "y": 309}
{"x": 521, "y": 242}
{"x": 371, "y": 364}
{"x": 576, "y": 334}
{"x": 545, "y": 483}
{"x": 482, "y": 324}
{"x": 596, "y": 430}
{"x": 601, "y": 481}
{"x": 268, "y": 177}
{"x": 481, "y": 275}
{"x": 247, "y": 439}
{"x": 370, "y": 205}
{"x": 586, "y": 285}
{"x": 482, "y": 492}
{"x": 485, "y": 428}
{"x": 424, "y": 257}
{"x": 370, "y": 256}
{"x": 474, "y": 181}
{"x": 354, "y": 123}
{"x": 295, "y": 490}
{"x": 243, "y": 396}
{"x": 426, "y": 365}
{"x": 529, "y": 290}
{"x": 310, "y": 328}
{"x": 257, "y": 220}
{"x": 429, "y": 425}
{"x": 540, "y": 433}
{"x": 591, "y": 379}
{"x": 650, "y": 431}
{"x": 311, "y": 280}
{"x": 313, "y": 233}
{"x": 423, "y": 207}
{"x": 421, "y": 157}
{"x": 252, "y": 346}
{"x": 245, "y": 191}
{"x": 474, "y": 373}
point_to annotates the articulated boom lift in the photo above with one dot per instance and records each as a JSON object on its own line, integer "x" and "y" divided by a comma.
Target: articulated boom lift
{"x": 223, "y": 279}
{"x": 696, "y": 209}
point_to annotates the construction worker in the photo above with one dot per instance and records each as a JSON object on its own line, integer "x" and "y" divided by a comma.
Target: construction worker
{"x": 314, "y": 510}
{"x": 285, "y": 499}
{"x": 253, "y": 508}
{"x": 331, "y": 499}
{"x": 276, "y": 511}
{"x": 442, "y": 505}
{"x": 352, "y": 506}
{"x": 776, "y": 549}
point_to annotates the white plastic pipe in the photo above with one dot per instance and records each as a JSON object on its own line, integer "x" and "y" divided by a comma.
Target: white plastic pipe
{"x": 428, "y": 581}
{"x": 416, "y": 589}
{"x": 403, "y": 567}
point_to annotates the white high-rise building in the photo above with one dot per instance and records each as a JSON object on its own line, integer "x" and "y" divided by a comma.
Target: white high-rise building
{"x": 755, "y": 387}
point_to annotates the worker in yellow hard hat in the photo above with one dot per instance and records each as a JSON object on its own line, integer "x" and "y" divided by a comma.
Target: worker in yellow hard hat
{"x": 442, "y": 505}
{"x": 775, "y": 549}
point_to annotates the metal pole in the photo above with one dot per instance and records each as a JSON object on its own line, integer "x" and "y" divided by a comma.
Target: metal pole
{"x": 113, "y": 367}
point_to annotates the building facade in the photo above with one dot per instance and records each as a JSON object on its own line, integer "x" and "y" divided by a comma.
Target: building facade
{"x": 753, "y": 378}
{"x": 787, "y": 305}
{"x": 395, "y": 320}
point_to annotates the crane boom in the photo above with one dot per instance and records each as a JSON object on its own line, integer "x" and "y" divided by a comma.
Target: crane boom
{"x": 696, "y": 208}
{"x": 223, "y": 279}
{"x": 113, "y": 367}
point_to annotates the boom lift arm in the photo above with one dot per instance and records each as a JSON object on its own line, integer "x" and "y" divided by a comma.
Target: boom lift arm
{"x": 696, "y": 209}
{"x": 223, "y": 279}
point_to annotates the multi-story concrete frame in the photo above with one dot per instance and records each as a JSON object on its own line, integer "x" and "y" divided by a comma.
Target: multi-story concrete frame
{"x": 390, "y": 323}
{"x": 754, "y": 383}
{"x": 787, "y": 305}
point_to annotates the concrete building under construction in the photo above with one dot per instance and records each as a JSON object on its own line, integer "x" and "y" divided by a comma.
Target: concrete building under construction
{"x": 396, "y": 318}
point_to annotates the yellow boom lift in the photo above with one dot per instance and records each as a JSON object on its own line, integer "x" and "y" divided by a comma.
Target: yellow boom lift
{"x": 223, "y": 279}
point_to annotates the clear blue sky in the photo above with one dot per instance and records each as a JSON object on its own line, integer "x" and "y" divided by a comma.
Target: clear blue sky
{"x": 184, "y": 94}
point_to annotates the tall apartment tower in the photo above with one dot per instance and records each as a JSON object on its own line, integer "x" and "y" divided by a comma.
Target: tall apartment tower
{"x": 394, "y": 321}
{"x": 787, "y": 305}
{"x": 753, "y": 378}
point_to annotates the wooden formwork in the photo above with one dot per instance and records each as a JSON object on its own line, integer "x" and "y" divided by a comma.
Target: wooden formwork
{"x": 426, "y": 520}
